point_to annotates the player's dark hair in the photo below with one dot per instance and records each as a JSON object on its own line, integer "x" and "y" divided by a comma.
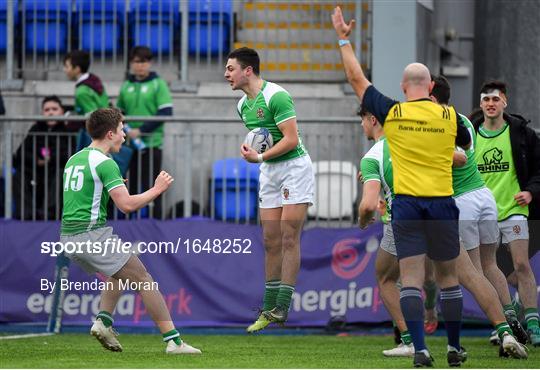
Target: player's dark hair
{"x": 362, "y": 111}
{"x": 78, "y": 58}
{"x": 246, "y": 57}
{"x": 143, "y": 53}
{"x": 493, "y": 85}
{"x": 102, "y": 121}
{"x": 53, "y": 98}
{"x": 441, "y": 89}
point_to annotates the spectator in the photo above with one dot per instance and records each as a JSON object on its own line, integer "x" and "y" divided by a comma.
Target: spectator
{"x": 144, "y": 94}
{"x": 90, "y": 93}
{"x": 39, "y": 162}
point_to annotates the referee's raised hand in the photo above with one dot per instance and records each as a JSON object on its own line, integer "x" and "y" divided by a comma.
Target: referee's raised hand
{"x": 342, "y": 29}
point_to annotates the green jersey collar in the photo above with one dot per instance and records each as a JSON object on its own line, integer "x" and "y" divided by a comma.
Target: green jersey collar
{"x": 491, "y": 133}
{"x": 252, "y": 101}
{"x": 92, "y": 148}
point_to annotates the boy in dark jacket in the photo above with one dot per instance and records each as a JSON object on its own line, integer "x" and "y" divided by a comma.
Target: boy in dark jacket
{"x": 508, "y": 155}
{"x": 39, "y": 164}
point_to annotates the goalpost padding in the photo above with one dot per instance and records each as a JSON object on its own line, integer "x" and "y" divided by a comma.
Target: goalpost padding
{"x": 61, "y": 271}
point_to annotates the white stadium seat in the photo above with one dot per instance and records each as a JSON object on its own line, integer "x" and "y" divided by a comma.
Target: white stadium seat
{"x": 336, "y": 181}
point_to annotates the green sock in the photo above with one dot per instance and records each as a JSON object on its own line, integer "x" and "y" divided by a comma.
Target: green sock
{"x": 518, "y": 307}
{"x": 284, "y": 296}
{"x": 106, "y": 318}
{"x": 173, "y": 335}
{"x": 431, "y": 295}
{"x": 406, "y": 337}
{"x": 510, "y": 311}
{"x": 271, "y": 291}
{"x": 531, "y": 316}
{"x": 502, "y": 328}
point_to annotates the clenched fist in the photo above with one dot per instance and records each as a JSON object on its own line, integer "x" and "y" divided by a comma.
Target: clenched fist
{"x": 163, "y": 181}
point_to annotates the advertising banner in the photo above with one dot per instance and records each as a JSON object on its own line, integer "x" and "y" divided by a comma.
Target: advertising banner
{"x": 210, "y": 273}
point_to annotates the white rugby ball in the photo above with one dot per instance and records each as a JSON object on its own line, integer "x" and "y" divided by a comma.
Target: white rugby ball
{"x": 260, "y": 139}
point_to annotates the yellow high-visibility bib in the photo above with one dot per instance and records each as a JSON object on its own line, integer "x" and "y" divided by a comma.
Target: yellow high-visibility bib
{"x": 422, "y": 137}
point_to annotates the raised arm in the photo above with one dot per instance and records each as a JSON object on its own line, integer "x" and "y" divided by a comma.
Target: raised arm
{"x": 352, "y": 67}
{"x": 130, "y": 203}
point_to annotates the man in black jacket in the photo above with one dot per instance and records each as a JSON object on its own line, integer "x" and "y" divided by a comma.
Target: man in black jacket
{"x": 508, "y": 155}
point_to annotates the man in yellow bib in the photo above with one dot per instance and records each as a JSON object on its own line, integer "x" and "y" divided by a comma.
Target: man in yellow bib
{"x": 508, "y": 156}
{"x": 421, "y": 136}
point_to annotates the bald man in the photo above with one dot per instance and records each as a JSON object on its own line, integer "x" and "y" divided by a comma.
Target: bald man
{"x": 421, "y": 136}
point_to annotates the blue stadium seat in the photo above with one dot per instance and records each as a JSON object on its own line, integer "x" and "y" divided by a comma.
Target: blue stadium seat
{"x": 236, "y": 185}
{"x": 153, "y": 22}
{"x": 100, "y": 24}
{"x": 46, "y": 25}
{"x": 3, "y": 22}
{"x": 207, "y": 14}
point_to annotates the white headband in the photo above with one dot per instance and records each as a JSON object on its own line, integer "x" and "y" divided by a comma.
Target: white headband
{"x": 492, "y": 93}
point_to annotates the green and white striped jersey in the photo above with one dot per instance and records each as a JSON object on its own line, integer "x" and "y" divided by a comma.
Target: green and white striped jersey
{"x": 271, "y": 107}
{"x": 467, "y": 178}
{"x": 376, "y": 165}
{"x": 89, "y": 176}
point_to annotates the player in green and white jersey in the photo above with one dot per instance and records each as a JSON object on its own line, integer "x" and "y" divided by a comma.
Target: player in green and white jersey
{"x": 286, "y": 182}
{"x": 376, "y": 168}
{"x": 90, "y": 178}
{"x": 478, "y": 228}
{"x": 376, "y": 173}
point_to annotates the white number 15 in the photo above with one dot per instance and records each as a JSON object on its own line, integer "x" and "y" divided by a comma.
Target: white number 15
{"x": 74, "y": 178}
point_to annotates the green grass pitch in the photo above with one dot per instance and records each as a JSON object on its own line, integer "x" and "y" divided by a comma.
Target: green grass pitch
{"x": 239, "y": 351}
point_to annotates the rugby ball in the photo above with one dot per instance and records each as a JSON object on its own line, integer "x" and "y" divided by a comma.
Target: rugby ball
{"x": 260, "y": 139}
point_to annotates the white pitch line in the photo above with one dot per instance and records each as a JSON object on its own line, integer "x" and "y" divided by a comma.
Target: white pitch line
{"x": 25, "y": 336}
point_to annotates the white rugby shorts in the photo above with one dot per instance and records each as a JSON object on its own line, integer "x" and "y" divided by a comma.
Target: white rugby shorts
{"x": 514, "y": 228}
{"x": 388, "y": 243}
{"x": 477, "y": 218}
{"x": 286, "y": 182}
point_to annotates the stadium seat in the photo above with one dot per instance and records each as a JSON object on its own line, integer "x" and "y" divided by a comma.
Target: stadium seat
{"x": 335, "y": 190}
{"x": 236, "y": 185}
{"x": 209, "y": 19}
{"x": 100, "y": 24}
{"x": 3, "y": 22}
{"x": 46, "y": 25}
{"x": 153, "y": 22}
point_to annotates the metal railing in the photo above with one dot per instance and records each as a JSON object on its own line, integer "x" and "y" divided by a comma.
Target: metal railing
{"x": 295, "y": 39}
{"x": 190, "y": 150}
